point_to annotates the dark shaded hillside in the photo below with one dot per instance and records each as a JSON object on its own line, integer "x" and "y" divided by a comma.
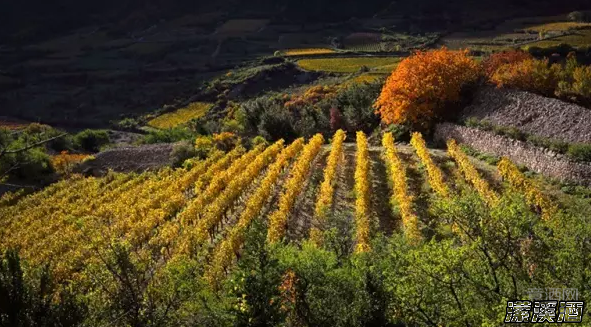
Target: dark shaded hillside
{"x": 32, "y": 20}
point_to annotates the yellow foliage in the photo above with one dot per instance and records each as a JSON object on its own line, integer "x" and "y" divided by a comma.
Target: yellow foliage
{"x": 292, "y": 188}
{"x": 397, "y": 174}
{"x": 172, "y": 119}
{"x": 533, "y": 195}
{"x": 435, "y": 175}
{"x": 325, "y": 195}
{"x": 224, "y": 253}
{"x": 362, "y": 220}
{"x": 471, "y": 174}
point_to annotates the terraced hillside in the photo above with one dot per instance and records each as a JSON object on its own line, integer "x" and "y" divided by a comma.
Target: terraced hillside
{"x": 298, "y": 189}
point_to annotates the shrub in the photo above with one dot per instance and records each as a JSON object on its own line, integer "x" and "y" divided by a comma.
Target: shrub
{"x": 128, "y": 124}
{"x": 529, "y": 75}
{"x": 258, "y": 140}
{"x": 580, "y": 152}
{"x": 356, "y": 101}
{"x": 576, "y": 16}
{"x": 167, "y": 135}
{"x": 203, "y": 145}
{"x": 424, "y": 84}
{"x": 496, "y": 60}
{"x": 91, "y": 140}
{"x": 225, "y": 140}
{"x": 181, "y": 152}
{"x": 65, "y": 162}
{"x": 28, "y": 297}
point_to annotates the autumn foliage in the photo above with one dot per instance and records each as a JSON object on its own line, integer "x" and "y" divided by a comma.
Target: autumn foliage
{"x": 424, "y": 84}
{"x": 64, "y": 162}
{"x": 496, "y": 60}
{"x": 529, "y": 75}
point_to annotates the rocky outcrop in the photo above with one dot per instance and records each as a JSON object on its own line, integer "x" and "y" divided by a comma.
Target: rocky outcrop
{"x": 537, "y": 159}
{"x": 533, "y": 114}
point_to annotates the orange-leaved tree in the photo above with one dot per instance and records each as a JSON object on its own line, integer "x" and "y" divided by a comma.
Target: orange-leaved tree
{"x": 424, "y": 84}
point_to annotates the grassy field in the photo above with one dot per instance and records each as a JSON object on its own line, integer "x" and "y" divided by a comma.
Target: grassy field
{"x": 579, "y": 39}
{"x": 350, "y": 65}
{"x": 306, "y": 52}
{"x": 558, "y": 26}
{"x": 180, "y": 116}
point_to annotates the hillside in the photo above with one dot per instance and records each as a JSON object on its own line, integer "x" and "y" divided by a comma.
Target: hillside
{"x": 199, "y": 217}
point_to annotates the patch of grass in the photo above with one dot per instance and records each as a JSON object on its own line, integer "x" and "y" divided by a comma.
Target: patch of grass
{"x": 577, "y": 40}
{"x": 306, "y": 52}
{"x": 557, "y": 26}
{"x": 350, "y": 65}
{"x": 172, "y": 119}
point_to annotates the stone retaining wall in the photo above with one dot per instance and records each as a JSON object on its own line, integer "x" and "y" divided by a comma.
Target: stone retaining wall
{"x": 540, "y": 160}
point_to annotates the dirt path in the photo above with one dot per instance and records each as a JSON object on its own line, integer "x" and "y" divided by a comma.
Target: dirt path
{"x": 381, "y": 193}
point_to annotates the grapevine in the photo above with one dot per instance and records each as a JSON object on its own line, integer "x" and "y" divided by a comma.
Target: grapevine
{"x": 434, "y": 173}
{"x": 362, "y": 221}
{"x": 398, "y": 177}
{"x": 324, "y": 201}
{"x": 532, "y": 194}
{"x": 293, "y": 187}
{"x": 471, "y": 174}
{"x": 224, "y": 253}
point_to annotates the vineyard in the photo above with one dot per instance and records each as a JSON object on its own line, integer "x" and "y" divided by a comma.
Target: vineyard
{"x": 298, "y": 191}
{"x": 174, "y": 212}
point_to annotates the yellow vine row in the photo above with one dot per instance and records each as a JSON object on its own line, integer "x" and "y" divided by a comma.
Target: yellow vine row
{"x": 532, "y": 194}
{"x": 216, "y": 168}
{"x": 292, "y": 188}
{"x": 325, "y": 195}
{"x": 193, "y": 211}
{"x": 435, "y": 175}
{"x": 362, "y": 221}
{"x": 215, "y": 210}
{"x": 471, "y": 174}
{"x": 224, "y": 253}
{"x": 397, "y": 172}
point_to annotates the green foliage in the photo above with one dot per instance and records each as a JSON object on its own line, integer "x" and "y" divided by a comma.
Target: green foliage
{"x": 91, "y": 140}
{"x": 27, "y": 297}
{"x": 256, "y": 283}
{"x": 580, "y": 152}
{"x": 167, "y": 135}
{"x": 22, "y": 162}
{"x": 356, "y": 102}
{"x": 258, "y": 140}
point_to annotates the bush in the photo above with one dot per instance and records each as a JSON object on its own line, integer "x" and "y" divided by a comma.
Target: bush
{"x": 28, "y": 297}
{"x": 128, "y": 124}
{"x": 356, "y": 102}
{"x": 580, "y": 152}
{"x": 91, "y": 140}
{"x": 530, "y": 75}
{"x": 225, "y": 141}
{"x": 258, "y": 140}
{"x": 181, "y": 152}
{"x": 577, "y": 16}
{"x": 496, "y": 60}
{"x": 203, "y": 146}
{"x": 423, "y": 85}
{"x": 170, "y": 135}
